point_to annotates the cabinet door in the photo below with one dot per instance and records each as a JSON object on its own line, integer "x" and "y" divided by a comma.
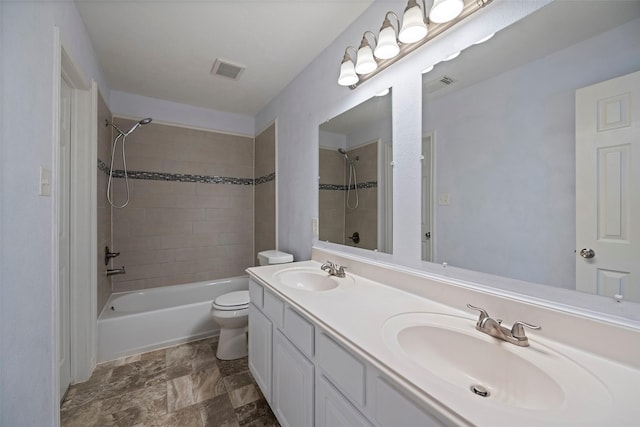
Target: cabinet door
{"x": 292, "y": 399}
{"x": 391, "y": 408}
{"x": 334, "y": 410}
{"x": 260, "y": 346}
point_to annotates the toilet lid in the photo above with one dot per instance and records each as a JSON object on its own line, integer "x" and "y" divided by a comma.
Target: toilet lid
{"x": 232, "y": 300}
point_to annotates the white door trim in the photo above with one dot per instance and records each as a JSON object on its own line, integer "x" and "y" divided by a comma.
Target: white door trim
{"x": 430, "y": 194}
{"x": 83, "y": 214}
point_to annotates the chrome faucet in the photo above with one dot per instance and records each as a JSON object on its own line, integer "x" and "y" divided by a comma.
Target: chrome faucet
{"x": 493, "y": 327}
{"x": 333, "y": 269}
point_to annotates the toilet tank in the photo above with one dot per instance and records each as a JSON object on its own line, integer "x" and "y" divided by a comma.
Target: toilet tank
{"x": 274, "y": 257}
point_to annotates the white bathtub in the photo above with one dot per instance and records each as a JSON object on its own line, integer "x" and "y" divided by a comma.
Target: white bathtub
{"x": 140, "y": 321}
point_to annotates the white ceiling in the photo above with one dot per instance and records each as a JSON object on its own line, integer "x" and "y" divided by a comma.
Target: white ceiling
{"x": 165, "y": 48}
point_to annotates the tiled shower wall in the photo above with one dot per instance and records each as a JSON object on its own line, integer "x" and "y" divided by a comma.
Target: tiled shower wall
{"x": 363, "y": 219}
{"x": 337, "y": 221}
{"x": 265, "y": 190}
{"x": 331, "y": 196}
{"x": 190, "y": 213}
{"x": 104, "y": 211}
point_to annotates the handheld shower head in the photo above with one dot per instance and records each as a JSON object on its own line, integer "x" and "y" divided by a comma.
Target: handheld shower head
{"x": 140, "y": 123}
{"x": 134, "y": 127}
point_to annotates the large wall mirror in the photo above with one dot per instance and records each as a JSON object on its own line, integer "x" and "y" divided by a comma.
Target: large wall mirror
{"x": 355, "y": 176}
{"x": 499, "y": 139}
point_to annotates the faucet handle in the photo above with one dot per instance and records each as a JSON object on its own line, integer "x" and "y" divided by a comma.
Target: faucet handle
{"x": 483, "y": 314}
{"x": 517, "y": 330}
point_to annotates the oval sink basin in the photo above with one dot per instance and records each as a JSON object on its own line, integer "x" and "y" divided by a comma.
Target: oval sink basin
{"x": 308, "y": 280}
{"x": 532, "y": 378}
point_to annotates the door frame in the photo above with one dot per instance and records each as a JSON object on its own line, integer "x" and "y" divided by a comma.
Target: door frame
{"x": 82, "y": 214}
{"x": 431, "y": 193}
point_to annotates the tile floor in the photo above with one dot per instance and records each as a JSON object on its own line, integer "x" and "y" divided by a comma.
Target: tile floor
{"x": 182, "y": 386}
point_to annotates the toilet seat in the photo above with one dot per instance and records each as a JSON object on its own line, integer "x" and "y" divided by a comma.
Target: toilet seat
{"x": 232, "y": 301}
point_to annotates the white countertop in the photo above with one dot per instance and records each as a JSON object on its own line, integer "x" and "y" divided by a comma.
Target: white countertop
{"x": 356, "y": 311}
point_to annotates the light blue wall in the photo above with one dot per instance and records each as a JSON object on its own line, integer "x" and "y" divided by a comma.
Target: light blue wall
{"x": 314, "y": 97}
{"x": 28, "y": 369}
{"x": 509, "y": 164}
{"x": 137, "y": 106}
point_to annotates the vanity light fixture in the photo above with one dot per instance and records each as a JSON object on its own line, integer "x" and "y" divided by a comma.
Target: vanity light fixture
{"x": 387, "y": 46}
{"x": 416, "y": 28}
{"x": 365, "y": 63}
{"x": 445, "y": 10}
{"x": 348, "y": 74}
{"x": 414, "y": 25}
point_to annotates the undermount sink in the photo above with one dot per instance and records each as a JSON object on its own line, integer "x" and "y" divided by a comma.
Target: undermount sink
{"x": 308, "y": 279}
{"x": 532, "y": 378}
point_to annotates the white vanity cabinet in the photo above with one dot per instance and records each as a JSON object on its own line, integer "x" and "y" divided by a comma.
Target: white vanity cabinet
{"x": 260, "y": 349}
{"x": 293, "y": 380}
{"x": 311, "y": 379}
{"x": 279, "y": 338}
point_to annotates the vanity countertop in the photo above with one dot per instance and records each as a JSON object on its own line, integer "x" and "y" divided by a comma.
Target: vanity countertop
{"x": 357, "y": 312}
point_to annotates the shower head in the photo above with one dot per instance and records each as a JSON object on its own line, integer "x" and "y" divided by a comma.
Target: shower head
{"x": 140, "y": 123}
{"x": 134, "y": 127}
{"x": 341, "y": 151}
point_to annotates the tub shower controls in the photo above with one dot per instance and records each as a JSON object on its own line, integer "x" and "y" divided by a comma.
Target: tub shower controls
{"x": 108, "y": 255}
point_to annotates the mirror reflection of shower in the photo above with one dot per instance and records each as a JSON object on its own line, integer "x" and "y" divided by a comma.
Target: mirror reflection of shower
{"x": 121, "y": 134}
{"x": 352, "y": 178}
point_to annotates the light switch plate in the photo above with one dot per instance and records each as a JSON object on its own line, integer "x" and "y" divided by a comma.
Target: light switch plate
{"x": 443, "y": 199}
{"x": 314, "y": 227}
{"x": 45, "y": 182}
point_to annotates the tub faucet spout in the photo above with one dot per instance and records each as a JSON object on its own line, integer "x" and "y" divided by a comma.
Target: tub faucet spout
{"x": 114, "y": 271}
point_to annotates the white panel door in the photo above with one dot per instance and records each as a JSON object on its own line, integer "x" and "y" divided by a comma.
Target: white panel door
{"x": 62, "y": 197}
{"x": 608, "y": 187}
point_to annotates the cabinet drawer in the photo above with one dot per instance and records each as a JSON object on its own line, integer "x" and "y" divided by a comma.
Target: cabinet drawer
{"x": 299, "y": 330}
{"x": 273, "y": 308}
{"x": 256, "y": 294}
{"x": 344, "y": 369}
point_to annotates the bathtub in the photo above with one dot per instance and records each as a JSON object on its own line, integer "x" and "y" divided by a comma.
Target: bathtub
{"x": 140, "y": 321}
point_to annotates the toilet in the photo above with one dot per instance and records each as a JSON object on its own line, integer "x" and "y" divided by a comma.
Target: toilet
{"x": 231, "y": 312}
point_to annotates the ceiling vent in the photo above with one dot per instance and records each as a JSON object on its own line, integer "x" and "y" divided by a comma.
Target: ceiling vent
{"x": 227, "y": 69}
{"x": 437, "y": 84}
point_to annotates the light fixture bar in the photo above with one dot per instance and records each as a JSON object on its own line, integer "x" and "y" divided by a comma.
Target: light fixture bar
{"x": 470, "y": 7}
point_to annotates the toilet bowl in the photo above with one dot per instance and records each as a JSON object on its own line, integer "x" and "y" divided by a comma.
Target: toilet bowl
{"x": 231, "y": 312}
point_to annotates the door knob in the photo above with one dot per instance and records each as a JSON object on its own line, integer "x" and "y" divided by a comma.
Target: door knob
{"x": 427, "y": 235}
{"x": 587, "y": 253}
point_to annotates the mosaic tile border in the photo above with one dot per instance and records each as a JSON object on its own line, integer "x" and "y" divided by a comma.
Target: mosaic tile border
{"x": 368, "y": 184}
{"x": 179, "y": 177}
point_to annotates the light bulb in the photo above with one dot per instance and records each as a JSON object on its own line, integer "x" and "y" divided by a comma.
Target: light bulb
{"x": 365, "y": 63}
{"x": 348, "y": 75}
{"x": 387, "y": 46}
{"x": 413, "y": 26}
{"x": 445, "y": 10}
